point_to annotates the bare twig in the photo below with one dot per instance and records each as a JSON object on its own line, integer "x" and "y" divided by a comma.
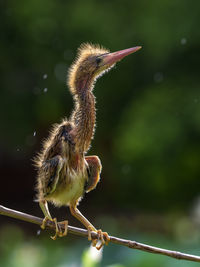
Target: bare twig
{"x": 82, "y": 232}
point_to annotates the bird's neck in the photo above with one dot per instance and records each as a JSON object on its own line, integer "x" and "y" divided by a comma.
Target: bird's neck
{"x": 84, "y": 115}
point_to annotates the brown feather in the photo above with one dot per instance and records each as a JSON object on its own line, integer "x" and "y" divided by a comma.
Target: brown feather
{"x": 61, "y": 164}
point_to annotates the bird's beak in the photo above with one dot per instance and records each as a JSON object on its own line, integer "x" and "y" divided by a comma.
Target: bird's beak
{"x": 112, "y": 58}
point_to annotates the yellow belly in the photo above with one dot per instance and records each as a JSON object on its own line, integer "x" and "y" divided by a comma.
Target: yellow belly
{"x": 70, "y": 192}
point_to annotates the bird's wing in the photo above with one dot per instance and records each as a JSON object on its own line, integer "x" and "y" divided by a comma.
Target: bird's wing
{"x": 94, "y": 170}
{"x": 56, "y": 151}
{"x": 50, "y": 171}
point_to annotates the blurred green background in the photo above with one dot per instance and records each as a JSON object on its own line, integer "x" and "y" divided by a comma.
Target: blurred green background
{"x": 148, "y": 126}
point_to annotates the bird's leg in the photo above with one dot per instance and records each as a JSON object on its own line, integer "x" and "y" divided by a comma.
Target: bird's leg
{"x": 94, "y": 169}
{"x": 45, "y": 210}
{"x": 103, "y": 237}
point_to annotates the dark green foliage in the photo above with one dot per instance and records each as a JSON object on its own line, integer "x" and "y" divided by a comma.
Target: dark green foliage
{"x": 148, "y": 107}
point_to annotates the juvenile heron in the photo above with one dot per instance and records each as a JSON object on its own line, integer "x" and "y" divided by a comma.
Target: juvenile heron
{"x": 65, "y": 173}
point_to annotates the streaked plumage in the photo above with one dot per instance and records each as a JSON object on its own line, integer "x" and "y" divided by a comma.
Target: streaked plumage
{"x": 64, "y": 172}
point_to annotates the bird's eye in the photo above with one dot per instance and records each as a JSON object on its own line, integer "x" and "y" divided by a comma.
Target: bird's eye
{"x": 98, "y": 60}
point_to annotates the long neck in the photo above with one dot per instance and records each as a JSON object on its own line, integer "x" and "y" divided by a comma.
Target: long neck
{"x": 84, "y": 115}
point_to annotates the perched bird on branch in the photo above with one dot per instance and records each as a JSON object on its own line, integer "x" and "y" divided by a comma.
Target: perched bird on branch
{"x": 65, "y": 173}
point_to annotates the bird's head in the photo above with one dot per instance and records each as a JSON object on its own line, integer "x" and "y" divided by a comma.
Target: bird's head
{"x": 92, "y": 62}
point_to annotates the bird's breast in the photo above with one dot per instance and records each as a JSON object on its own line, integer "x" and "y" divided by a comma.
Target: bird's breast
{"x": 70, "y": 189}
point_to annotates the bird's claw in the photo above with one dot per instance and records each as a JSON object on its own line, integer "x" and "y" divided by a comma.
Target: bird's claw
{"x": 44, "y": 222}
{"x": 102, "y": 237}
{"x": 59, "y": 231}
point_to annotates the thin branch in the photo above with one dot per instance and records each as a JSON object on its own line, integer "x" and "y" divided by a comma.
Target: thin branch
{"x": 82, "y": 232}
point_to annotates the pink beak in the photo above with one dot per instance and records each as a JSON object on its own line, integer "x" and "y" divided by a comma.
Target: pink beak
{"x": 112, "y": 58}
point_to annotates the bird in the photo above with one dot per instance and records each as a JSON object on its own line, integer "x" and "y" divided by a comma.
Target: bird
{"x": 64, "y": 172}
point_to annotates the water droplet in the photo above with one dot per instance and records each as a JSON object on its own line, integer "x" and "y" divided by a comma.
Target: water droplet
{"x": 18, "y": 149}
{"x": 45, "y": 76}
{"x": 45, "y": 90}
{"x": 34, "y": 134}
{"x": 158, "y": 77}
{"x": 183, "y": 41}
{"x": 38, "y": 232}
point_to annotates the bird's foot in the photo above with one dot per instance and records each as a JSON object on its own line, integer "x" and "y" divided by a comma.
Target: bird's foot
{"x": 59, "y": 231}
{"x": 44, "y": 222}
{"x": 103, "y": 238}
